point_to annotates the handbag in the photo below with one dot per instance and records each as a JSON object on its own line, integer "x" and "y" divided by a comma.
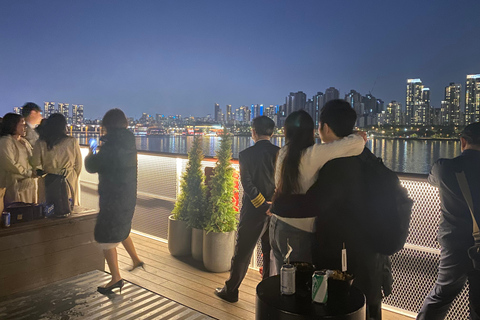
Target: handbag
{"x": 473, "y": 252}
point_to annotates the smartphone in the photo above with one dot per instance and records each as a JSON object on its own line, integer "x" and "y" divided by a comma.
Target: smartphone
{"x": 93, "y": 145}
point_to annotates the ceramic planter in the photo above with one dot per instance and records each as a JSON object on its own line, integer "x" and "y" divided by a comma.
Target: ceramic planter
{"x": 218, "y": 249}
{"x": 179, "y": 237}
{"x": 197, "y": 244}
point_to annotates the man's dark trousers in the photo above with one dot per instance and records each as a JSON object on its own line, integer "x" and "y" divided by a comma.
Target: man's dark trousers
{"x": 257, "y": 166}
{"x": 250, "y": 229}
{"x": 455, "y": 236}
{"x": 454, "y": 269}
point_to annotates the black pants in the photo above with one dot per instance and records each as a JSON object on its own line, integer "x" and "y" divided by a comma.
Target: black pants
{"x": 454, "y": 270}
{"x": 250, "y": 229}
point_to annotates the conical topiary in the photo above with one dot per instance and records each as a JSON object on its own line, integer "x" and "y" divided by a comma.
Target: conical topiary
{"x": 191, "y": 204}
{"x": 221, "y": 213}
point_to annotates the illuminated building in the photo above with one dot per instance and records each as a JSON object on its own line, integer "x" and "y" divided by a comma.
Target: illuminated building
{"x": 64, "y": 110}
{"x": 451, "y": 105}
{"x": 48, "y": 109}
{"x": 77, "y": 114}
{"x": 228, "y": 113}
{"x": 318, "y": 102}
{"x": 394, "y": 113}
{"x": 355, "y": 100}
{"x": 472, "y": 99}
{"x": 218, "y": 113}
{"x": 413, "y": 101}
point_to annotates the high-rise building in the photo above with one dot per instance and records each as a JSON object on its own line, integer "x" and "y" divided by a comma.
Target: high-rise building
{"x": 17, "y": 110}
{"x": 270, "y": 111}
{"x": 394, "y": 113}
{"x": 218, "y": 113}
{"x": 370, "y": 103}
{"x": 472, "y": 99}
{"x": 63, "y": 109}
{"x": 423, "y": 110}
{"x": 318, "y": 102}
{"x": 77, "y": 114}
{"x": 295, "y": 101}
{"x": 451, "y": 108}
{"x": 49, "y": 109}
{"x": 228, "y": 113}
{"x": 356, "y": 101}
{"x": 413, "y": 100}
{"x": 331, "y": 94}
{"x": 380, "y": 106}
{"x": 310, "y": 108}
{"x": 256, "y": 110}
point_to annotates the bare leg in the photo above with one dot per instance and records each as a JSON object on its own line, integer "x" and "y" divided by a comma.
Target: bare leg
{"x": 128, "y": 244}
{"x": 112, "y": 261}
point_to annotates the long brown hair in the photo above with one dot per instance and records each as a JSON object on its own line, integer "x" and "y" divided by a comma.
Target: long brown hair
{"x": 299, "y": 136}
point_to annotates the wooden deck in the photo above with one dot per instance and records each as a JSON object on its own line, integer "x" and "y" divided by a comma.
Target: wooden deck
{"x": 187, "y": 282}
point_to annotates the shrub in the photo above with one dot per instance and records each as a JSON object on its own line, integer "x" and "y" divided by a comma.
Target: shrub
{"x": 221, "y": 213}
{"x": 191, "y": 204}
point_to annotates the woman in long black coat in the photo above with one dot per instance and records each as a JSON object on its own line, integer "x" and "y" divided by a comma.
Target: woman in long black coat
{"x": 116, "y": 165}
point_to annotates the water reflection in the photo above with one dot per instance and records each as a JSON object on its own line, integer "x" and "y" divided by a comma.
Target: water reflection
{"x": 414, "y": 156}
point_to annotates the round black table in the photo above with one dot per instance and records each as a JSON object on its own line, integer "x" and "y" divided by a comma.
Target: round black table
{"x": 270, "y": 304}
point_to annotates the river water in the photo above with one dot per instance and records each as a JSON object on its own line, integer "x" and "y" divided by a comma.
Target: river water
{"x": 400, "y": 155}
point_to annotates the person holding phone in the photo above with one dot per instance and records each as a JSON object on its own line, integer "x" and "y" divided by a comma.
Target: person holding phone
{"x": 116, "y": 165}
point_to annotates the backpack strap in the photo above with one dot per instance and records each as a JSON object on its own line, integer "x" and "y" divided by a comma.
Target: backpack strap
{"x": 462, "y": 182}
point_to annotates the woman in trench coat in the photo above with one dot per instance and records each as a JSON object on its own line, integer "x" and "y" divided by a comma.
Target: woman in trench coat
{"x": 16, "y": 174}
{"x": 57, "y": 153}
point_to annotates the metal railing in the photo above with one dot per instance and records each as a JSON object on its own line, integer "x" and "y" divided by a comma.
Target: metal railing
{"x": 414, "y": 267}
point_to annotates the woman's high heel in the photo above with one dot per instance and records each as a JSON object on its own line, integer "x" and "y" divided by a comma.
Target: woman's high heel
{"x": 106, "y": 290}
{"x": 141, "y": 264}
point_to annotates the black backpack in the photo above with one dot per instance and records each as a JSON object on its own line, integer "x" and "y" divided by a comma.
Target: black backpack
{"x": 388, "y": 208}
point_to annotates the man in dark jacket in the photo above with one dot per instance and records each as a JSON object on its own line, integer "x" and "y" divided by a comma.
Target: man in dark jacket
{"x": 257, "y": 165}
{"x": 33, "y": 116}
{"x": 455, "y": 229}
{"x": 337, "y": 200}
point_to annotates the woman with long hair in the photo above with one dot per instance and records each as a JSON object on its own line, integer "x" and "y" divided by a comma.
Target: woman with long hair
{"x": 298, "y": 163}
{"x": 16, "y": 173}
{"x": 116, "y": 165}
{"x": 55, "y": 152}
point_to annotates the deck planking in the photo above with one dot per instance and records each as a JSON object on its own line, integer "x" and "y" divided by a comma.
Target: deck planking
{"x": 187, "y": 282}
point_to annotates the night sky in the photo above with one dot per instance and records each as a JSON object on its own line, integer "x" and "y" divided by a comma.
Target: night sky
{"x": 182, "y": 57}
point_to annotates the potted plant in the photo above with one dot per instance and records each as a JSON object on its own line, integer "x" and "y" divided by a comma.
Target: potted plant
{"x": 196, "y": 198}
{"x": 221, "y": 221}
{"x": 190, "y": 204}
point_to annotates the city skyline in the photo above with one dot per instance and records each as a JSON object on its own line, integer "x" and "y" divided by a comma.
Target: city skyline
{"x": 371, "y": 111}
{"x": 174, "y": 58}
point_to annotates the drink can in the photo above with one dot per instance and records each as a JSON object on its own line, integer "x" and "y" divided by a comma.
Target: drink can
{"x": 287, "y": 279}
{"x": 319, "y": 287}
{"x": 5, "y": 219}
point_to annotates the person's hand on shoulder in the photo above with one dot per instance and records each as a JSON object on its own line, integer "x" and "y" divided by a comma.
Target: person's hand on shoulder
{"x": 362, "y": 134}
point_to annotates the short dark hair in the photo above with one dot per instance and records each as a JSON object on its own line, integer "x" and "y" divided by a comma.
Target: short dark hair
{"x": 340, "y": 117}
{"x": 29, "y": 107}
{"x": 471, "y": 133}
{"x": 263, "y": 125}
{"x": 9, "y": 124}
{"x": 114, "y": 119}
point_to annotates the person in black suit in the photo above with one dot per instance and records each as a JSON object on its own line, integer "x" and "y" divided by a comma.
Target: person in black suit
{"x": 257, "y": 167}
